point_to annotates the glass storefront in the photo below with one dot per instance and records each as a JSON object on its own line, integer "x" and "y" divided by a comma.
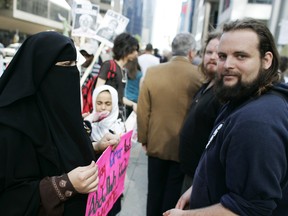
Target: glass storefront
{"x": 43, "y": 8}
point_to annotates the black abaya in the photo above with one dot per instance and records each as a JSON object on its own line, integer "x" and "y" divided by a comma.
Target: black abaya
{"x": 41, "y": 127}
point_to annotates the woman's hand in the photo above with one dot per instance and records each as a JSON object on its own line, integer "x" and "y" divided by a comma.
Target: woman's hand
{"x": 95, "y": 116}
{"x": 108, "y": 139}
{"x": 85, "y": 178}
{"x": 98, "y": 116}
{"x": 84, "y": 115}
{"x": 144, "y": 147}
{"x": 134, "y": 106}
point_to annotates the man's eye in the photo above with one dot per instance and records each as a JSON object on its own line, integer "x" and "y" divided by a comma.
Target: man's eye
{"x": 221, "y": 57}
{"x": 208, "y": 52}
{"x": 241, "y": 57}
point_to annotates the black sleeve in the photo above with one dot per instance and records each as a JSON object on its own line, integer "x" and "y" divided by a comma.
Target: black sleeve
{"x": 105, "y": 67}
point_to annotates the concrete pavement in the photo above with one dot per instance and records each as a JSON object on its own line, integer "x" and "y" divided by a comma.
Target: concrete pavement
{"x": 135, "y": 193}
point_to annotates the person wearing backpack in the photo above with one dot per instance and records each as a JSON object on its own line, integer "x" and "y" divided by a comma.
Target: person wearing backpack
{"x": 112, "y": 73}
{"x": 88, "y": 51}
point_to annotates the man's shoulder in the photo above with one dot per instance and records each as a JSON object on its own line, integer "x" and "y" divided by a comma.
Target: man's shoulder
{"x": 154, "y": 58}
{"x": 147, "y": 56}
{"x": 264, "y": 107}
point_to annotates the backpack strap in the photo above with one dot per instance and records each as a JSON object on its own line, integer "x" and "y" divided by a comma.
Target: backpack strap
{"x": 112, "y": 70}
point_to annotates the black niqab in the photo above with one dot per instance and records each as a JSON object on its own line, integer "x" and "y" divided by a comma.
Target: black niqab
{"x": 42, "y": 101}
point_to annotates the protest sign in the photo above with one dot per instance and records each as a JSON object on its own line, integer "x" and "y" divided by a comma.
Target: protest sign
{"x": 113, "y": 24}
{"x": 85, "y": 20}
{"x": 112, "y": 166}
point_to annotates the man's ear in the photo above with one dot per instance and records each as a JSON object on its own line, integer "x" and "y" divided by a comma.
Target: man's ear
{"x": 192, "y": 54}
{"x": 267, "y": 60}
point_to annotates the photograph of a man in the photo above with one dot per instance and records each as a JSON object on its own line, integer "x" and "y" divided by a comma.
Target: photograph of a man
{"x": 85, "y": 23}
{"x": 108, "y": 32}
{"x": 112, "y": 25}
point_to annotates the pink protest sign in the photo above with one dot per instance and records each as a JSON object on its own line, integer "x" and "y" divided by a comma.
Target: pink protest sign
{"x": 112, "y": 166}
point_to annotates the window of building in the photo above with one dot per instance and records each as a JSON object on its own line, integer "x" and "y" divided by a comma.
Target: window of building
{"x": 102, "y": 11}
{"x": 37, "y": 7}
{"x": 5, "y": 4}
{"x": 260, "y": 1}
{"x": 40, "y": 8}
{"x": 106, "y": 2}
{"x": 56, "y": 11}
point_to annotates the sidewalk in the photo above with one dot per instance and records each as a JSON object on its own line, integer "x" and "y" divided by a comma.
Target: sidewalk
{"x": 135, "y": 193}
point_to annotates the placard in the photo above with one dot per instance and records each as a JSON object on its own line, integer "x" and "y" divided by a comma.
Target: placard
{"x": 112, "y": 166}
{"x": 113, "y": 24}
{"x": 85, "y": 20}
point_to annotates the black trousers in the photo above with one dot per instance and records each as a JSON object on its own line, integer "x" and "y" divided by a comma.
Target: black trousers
{"x": 128, "y": 110}
{"x": 116, "y": 207}
{"x": 165, "y": 180}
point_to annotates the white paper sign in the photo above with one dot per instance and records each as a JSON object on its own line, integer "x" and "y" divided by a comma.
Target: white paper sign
{"x": 85, "y": 20}
{"x": 113, "y": 24}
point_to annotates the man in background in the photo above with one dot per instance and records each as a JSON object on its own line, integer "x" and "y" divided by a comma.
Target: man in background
{"x": 165, "y": 97}
{"x": 203, "y": 112}
{"x": 147, "y": 59}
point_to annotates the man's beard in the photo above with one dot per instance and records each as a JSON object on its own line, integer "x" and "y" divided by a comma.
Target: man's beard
{"x": 241, "y": 90}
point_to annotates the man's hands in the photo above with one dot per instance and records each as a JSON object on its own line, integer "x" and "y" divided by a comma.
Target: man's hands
{"x": 174, "y": 212}
{"x": 84, "y": 179}
{"x": 181, "y": 204}
{"x": 184, "y": 199}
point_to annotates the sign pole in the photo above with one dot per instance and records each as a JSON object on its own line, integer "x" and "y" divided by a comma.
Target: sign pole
{"x": 89, "y": 69}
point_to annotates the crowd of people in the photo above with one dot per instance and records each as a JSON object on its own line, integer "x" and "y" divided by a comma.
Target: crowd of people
{"x": 215, "y": 131}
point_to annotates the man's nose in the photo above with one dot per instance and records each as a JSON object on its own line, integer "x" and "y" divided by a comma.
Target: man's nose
{"x": 229, "y": 62}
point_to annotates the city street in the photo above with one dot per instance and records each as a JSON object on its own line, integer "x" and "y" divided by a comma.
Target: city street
{"x": 135, "y": 194}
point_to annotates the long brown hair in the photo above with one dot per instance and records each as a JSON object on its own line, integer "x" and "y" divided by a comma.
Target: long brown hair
{"x": 132, "y": 67}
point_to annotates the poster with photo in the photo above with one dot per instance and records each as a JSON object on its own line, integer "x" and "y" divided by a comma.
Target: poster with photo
{"x": 85, "y": 20}
{"x": 113, "y": 24}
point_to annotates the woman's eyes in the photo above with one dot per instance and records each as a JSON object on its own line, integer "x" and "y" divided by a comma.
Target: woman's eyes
{"x": 66, "y": 63}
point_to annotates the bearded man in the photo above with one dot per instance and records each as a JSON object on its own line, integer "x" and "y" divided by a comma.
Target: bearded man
{"x": 203, "y": 112}
{"x": 243, "y": 170}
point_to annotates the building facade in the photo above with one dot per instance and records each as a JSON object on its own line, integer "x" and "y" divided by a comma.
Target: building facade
{"x": 21, "y": 18}
{"x": 133, "y": 10}
{"x": 206, "y": 15}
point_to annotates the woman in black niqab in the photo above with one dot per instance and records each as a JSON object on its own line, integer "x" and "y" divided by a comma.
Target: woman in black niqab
{"x": 41, "y": 127}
